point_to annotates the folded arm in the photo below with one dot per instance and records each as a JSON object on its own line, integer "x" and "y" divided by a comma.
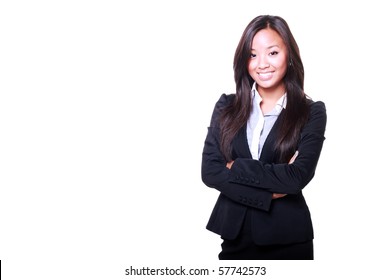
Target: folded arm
{"x": 286, "y": 178}
{"x": 216, "y": 175}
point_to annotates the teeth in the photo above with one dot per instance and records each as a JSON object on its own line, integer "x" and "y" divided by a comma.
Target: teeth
{"x": 265, "y": 75}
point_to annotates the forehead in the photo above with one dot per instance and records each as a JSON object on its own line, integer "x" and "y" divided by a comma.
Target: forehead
{"x": 266, "y": 38}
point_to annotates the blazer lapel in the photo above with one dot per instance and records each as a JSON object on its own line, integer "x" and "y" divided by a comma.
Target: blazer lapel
{"x": 241, "y": 148}
{"x": 240, "y": 144}
{"x": 268, "y": 151}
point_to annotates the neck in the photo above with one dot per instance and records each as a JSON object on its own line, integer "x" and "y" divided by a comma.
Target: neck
{"x": 271, "y": 94}
{"x": 270, "y": 98}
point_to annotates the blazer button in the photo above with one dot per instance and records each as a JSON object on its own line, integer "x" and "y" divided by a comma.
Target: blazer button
{"x": 260, "y": 203}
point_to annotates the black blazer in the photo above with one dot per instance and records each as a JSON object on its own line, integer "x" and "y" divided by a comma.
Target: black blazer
{"x": 249, "y": 184}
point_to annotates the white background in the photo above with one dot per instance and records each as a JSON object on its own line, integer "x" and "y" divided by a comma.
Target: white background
{"x": 104, "y": 107}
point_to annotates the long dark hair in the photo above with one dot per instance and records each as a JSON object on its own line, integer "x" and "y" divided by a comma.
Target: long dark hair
{"x": 235, "y": 116}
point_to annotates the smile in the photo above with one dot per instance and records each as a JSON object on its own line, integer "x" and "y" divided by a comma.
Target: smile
{"x": 265, "y": 76}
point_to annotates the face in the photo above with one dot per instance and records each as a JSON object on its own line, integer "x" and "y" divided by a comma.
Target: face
{"x": 268, "y": 62}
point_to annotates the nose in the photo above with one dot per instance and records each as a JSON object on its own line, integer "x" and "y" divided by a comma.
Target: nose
{"x": 262, "y": 62}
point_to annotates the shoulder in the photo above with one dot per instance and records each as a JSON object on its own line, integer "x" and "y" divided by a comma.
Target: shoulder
{"x": 223, "y": 101}
{"x": 317, "y": 116}
{"x": 317, "y": 108}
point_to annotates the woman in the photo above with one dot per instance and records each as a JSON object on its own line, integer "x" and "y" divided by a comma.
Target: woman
{"x": 262, "y": 148}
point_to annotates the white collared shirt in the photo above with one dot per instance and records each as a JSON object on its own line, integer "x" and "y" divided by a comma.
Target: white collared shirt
{"x": 259, "y": 125}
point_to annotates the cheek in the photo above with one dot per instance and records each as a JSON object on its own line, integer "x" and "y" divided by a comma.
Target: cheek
{"x": 282, "y": 64}
{"x": 250, "y": 66}
{"x": 282, "y": 61}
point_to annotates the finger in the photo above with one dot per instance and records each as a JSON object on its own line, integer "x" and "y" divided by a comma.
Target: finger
{"x": 293, "y": 157}
{"x": 278, "y": 195}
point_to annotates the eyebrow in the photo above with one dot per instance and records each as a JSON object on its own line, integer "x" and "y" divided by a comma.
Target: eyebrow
{"x": 270, "y": 47}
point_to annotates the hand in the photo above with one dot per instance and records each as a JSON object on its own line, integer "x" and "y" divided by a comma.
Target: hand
{"x": 293, "y": 157}
{"x": 280, "y": 195}
{"x": 229, "y": 164}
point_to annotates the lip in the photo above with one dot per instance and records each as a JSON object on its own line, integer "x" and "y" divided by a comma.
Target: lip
{"x": 265, "y": 76}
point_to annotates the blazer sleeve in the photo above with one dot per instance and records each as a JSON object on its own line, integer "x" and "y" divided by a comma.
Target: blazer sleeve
{"x": 286, "y": 178}
{"x": 216, "y": 175}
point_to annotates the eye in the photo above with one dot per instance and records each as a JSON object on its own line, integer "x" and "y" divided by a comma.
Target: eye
{"x": 253, "y": 55}
{"x": 273, "y": 53}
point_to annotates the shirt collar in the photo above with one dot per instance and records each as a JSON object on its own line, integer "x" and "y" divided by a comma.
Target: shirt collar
{"x": 280, "y": 104}
{"x": 255, "y": 93}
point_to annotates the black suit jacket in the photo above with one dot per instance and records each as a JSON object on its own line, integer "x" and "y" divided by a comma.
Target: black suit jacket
{"x": 249, "y": 184}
